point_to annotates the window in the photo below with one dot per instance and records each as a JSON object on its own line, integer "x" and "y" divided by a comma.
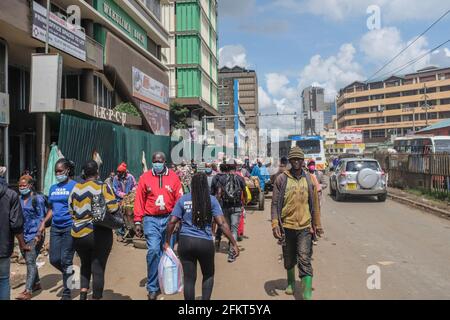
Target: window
{"x": 393, "y": 107}
{"x": 393, "y": 95}
{"x": 394, "y": 119}
{"x": 378, "y": 133}
{"x": 377, "y": 96}
{"x": 429, "y": 90}
{"x": 102, "y": 96}
{"x": 70, "y": 88}
{"x": 409, "y": 93}
{"x": 356, "y": 166}
{"x": 19, "y": 89}
{"x": 154, "y": 6}
{"x": 446, "y": 88}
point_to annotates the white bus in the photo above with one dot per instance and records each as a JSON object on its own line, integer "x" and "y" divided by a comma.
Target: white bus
{"x": 422, "y": 144}
{"x": 313, "y": 147}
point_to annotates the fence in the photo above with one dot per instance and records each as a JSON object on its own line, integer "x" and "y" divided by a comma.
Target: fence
{"x": 430, "y": 172}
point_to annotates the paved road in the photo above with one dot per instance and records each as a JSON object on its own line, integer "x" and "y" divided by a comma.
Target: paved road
{"x": 410, "y": 247}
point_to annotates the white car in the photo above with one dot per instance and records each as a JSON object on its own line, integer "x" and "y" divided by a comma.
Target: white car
{"x": 358, "y": 177}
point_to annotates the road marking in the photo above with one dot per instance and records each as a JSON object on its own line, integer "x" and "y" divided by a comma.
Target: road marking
{"x": 386, "y": 263}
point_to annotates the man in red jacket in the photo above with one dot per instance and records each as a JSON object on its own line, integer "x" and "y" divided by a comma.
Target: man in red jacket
{"x": 157, "y": 193}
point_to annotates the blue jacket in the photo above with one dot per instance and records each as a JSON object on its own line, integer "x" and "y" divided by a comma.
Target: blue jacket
{"x": 33, "y": 216}
{"x": 123, "y": 187}
{"x": 262, "y": 174}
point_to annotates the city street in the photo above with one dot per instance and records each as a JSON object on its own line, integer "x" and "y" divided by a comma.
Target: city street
{"x": 409, "y": 246}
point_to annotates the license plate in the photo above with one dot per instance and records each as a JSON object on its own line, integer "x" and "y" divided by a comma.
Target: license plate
{"x": 351, "y": 186}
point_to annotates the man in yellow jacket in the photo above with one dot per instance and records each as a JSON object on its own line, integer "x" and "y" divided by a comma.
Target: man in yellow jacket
{"x": 296, "y": 220}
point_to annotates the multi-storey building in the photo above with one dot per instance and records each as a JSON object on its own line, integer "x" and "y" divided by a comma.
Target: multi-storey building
{"x": 317, "y": 113}
{"x": 112, "y": 56}
{"x": 397, "y": 105}
{"x": 192, "y": 58}
{"x": 248, "y": 100}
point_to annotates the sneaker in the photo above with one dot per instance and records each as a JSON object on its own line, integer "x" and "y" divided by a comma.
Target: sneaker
{"x": 315, "y": 242}
{"x": 66, "y": 297}
{"x": 24, "y": 296}
{"x": 231, "y": 257}
{"x": 37, "y": 287}
{"x": 152, "y": 296}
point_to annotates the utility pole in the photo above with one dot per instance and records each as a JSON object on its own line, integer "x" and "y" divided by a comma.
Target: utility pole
{"x": 426, "y": 106}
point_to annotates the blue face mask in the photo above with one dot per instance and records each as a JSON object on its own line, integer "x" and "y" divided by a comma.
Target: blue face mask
{"x": 158, "y": 167}
{"x": 208, "y": 171}
{"x": 24, "y": 192}
{"x": 61, "y": 178}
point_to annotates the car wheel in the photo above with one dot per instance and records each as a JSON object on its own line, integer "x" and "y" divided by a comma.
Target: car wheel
{"x": 339, "y": 196}
{"x": 261, "y": 201}
{"x": 332, "y": 191}
{"x": 382, "y": 198}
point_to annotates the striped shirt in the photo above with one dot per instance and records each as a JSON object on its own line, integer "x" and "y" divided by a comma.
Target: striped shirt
{"x": 80, "y": 205}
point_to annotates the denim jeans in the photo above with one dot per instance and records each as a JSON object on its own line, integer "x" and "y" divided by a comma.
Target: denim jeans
{"x": 298, "y": 250}
{"x": 5, "y": 289}
{"x": 155, "y": 235}
{"x": 232, "y": 217}
{"x": 61, "y": 254}
{"x": 30, "y": 259}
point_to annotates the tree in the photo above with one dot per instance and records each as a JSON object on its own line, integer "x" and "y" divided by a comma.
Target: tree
{"x": 128, "y": 108}
{"x": 178, "y": 116}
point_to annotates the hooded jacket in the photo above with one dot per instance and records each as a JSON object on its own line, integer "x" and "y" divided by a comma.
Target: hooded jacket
{"x": 11, "y": 220}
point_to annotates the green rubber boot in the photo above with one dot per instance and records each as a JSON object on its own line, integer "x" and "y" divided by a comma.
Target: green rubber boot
{"x": 307, "y": 288}
{"x": 291, "y": 281}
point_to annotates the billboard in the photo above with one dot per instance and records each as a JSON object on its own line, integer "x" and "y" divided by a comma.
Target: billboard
{"x": 62, "y": 35}
{"x": 349, "y": 136}
{"x": 147, "y": 89}
{"x": 46, "y": 75}
{"x": 157, "y": 118}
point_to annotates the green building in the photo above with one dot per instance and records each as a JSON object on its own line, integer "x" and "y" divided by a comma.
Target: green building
{"x": 192, "y": 58}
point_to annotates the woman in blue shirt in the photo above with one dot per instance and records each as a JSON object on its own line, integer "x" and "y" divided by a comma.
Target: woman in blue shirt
{"x": 34, "y": 210}
{"x": 61, "y": 242}
{"x": 196, "y": 211}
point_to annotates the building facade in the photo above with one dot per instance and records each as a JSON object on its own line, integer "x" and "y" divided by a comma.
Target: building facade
{"x": 395, "y": 106}
{"x": 112, "y": 56}
{"x": 248, "y": 100}
{"x": 192, "y": 57}
{"x": 317, "y": 113}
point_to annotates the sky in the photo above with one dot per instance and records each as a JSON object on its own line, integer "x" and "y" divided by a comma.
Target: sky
{"x": 331, "y": 43}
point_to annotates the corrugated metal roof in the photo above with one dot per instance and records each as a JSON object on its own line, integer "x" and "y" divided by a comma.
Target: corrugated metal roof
{"x": 442, "y": 124}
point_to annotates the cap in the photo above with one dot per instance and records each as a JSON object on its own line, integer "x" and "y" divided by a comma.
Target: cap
{"x": 122, "y": 167}
{"x": 296, "y": 153}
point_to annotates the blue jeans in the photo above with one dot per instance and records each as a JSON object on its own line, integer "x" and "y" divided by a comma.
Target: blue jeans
{"x": 61, "y": 254}
{"x": 5, "y": 289}
{"x": 232, "y": 217}
{"x": 30, "y": 259}
{"x": 155, "y": 235}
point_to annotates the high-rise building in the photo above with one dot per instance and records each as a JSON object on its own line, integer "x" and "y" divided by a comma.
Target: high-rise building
{"x": 317, "y": 113}
{"x": 192, "y": 58}
{"x": 248, "y": 100}
{"x": 397, "y": 105}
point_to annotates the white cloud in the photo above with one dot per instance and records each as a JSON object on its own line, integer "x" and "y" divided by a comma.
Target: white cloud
{"x": 440, "y": 58}
{"x": 332, "y": 73}
{"x": 391, "y": 10}
{"x": 233, "y": 55}
{"x": 236, "y": 8}
{"x": 380, "y": 46}
{"x": 265, "y": 102}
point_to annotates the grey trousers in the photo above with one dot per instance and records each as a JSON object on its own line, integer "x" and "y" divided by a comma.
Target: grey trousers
{"x": 298, "y": 250}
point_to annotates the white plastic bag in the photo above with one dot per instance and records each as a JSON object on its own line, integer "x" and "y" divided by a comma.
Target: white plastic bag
{"x": 170, "y": 273}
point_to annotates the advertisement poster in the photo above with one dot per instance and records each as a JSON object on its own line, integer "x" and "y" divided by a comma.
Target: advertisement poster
{"x": 157, "y": 118}
{"x": 350, "y": 136}
{"x": 147, "y": 89}
{"x": 62, "y": 35}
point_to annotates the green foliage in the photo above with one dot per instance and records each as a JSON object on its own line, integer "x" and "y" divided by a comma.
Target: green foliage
{"x": 128, "y": 108}
{"x": 431, "y": 194}
{"x": 178, "y": 116}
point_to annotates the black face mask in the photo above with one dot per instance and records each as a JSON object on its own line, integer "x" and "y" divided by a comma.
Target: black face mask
{"x": 260, "y": 165}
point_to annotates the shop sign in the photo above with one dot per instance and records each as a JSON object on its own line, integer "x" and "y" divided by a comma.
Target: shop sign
{"x": 115, "y": 14}
{"x": 346, "y": 136}
{"x": 110, "y": 115}
{"x": 157, "y": 118}
{"x": 147, "y": 89}
{"x": 62, "y": 34}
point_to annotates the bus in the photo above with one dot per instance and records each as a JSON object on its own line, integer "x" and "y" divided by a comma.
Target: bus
{"x": 313, "y": 147}
{"x": 422, "y": 144}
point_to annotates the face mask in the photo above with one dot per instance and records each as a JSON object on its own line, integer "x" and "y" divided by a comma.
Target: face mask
{"x": 208, "y": 171}
{"x": 61, "y": 178}
{"x": 158, "y": 167}
{"x": 24, "y": 192}
{"x": 312, "y": 168}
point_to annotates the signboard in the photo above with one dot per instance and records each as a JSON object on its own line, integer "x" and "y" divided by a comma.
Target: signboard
{"x": 110, "y": 115}
{"x": 62, "y": 35}
{"x": 116, "y": 15}
{"x": 147, "y": 89}
{"x": 4, "y": 108}
{"x": 46, "y": 74}
{"x": 157, "y": 118}
{"x": 349, "y": 136}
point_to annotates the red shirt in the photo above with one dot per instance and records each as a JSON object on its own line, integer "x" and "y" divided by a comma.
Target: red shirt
{"x": 156, "y": 194}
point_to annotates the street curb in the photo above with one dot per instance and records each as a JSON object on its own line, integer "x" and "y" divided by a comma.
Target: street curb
{"x": 419, "y": 205}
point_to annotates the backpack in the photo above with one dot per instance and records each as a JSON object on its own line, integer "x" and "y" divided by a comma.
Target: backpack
{"x": 99, "y": 213}
{"x": 34, "y": 204}
{"x": 232, "y": 192}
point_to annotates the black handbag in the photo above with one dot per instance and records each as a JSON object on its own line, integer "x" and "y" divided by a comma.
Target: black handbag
{"x": 100, "y": 215}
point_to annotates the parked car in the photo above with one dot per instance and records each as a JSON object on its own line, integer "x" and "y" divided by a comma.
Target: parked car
{"x": 358, "y": 177}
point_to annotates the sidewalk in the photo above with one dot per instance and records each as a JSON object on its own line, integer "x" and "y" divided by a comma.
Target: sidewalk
{"x": 441, "y": 208}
